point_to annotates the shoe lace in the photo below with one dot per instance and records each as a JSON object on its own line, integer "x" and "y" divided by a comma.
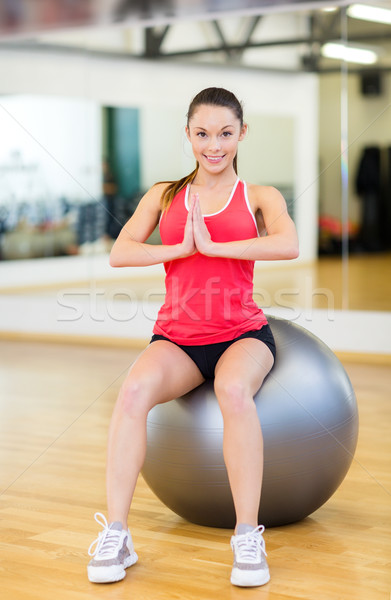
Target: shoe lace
{"x": 107, "y": 540}
{"x": 249, "y": 545}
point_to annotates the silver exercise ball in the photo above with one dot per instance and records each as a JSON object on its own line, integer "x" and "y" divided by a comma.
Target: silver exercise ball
{"x": 308, "y": 413}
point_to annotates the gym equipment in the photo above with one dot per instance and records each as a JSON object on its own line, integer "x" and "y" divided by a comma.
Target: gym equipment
{"x": 309, "y": 418}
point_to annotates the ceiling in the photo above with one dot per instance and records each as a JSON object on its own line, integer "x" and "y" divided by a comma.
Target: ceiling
{"x": 279, "y": 35}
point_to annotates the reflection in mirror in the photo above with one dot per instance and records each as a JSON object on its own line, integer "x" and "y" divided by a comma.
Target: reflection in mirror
{"x": 369, "y": 140}
{"x": 50, "y": 166}
{"x": 355, "y": 205}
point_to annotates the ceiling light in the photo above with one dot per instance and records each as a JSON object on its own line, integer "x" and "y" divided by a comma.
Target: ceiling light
{"x": 369, "y": 13}
{"x": 355, "y": 54}
{"x": 329, "y": 9}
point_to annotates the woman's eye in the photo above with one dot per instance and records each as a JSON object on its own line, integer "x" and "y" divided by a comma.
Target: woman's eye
{"x": 201, "y": 134}
{"x": 227, "y": 134}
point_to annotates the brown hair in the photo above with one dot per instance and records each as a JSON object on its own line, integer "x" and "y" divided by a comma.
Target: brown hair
{"x": 215, "y": 97}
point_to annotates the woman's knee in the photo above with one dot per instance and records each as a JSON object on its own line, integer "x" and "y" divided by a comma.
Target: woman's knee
{"x": 135, "y": 397}
{"x": 234, "y": 396}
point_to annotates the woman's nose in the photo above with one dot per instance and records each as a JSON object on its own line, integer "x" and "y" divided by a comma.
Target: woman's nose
{"x": 214, "y": 144}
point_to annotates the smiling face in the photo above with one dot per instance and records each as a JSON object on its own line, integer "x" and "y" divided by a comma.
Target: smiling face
{"x": 214, "y": 133}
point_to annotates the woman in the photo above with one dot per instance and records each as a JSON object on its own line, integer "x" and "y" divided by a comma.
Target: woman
{"x": 211, "y": 226}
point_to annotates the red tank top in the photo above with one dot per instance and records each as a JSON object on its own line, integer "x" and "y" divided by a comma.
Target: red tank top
{"x": 209, "y": 299}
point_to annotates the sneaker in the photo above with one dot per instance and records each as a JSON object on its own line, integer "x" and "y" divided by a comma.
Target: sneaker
{"x": 250, "y": 567}
{"x": 113, "y": 552}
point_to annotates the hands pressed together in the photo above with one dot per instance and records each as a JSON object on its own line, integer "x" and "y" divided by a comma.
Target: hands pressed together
{"x": 197, "y": 237}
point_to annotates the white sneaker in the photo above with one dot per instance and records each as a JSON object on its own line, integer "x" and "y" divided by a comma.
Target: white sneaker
{"x": 250, "y": 567}
{"x": 113, "y": 552}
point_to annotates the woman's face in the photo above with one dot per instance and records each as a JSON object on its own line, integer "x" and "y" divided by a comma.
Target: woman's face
{"x": 214, "y": 133}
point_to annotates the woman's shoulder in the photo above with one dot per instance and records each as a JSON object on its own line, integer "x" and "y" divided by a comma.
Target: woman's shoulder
{"x": 154, "y": 193}
{"x": 158, "y": 188}
{"x": 149, "y": 205}
{"x": 261, "y": 195}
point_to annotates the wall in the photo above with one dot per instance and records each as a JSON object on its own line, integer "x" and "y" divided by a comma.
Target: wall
{"x": 169, "y": 86}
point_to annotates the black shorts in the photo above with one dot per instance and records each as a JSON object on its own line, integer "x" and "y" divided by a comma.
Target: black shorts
{"x": 206, "y": 356}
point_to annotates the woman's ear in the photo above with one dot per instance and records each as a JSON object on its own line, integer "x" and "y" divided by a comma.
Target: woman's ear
{"x": 243, "y": 131}
{"x": 187, "y": 133}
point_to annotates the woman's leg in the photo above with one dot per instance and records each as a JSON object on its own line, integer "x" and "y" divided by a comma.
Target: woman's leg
{"x": 239, "y": 374}
{"x": 162, "y": 372}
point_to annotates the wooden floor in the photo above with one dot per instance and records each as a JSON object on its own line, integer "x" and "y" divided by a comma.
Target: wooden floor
{"x": 55, "y": 405}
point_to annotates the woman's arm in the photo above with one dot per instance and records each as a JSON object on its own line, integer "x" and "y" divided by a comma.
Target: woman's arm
{"x": 130, "y": 249}
{"x": 280, "y": 243}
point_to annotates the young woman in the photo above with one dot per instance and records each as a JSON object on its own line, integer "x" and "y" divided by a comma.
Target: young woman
{"x": 213, "y": 227}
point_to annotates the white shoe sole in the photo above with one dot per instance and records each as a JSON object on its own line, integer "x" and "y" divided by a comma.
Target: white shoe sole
{"x": 243, "y": 578}
{"x": 111, "y": 574}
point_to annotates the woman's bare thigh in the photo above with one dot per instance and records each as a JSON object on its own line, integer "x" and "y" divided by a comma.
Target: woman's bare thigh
{"x": 248, "y": 360}
{"x": 166, "y": 372}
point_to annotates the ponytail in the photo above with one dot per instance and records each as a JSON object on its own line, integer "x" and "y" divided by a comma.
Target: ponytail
{"x": 174, "y": 187}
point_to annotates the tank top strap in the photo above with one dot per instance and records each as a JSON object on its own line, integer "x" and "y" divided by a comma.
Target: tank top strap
{"x": 237, "y": 194}
{"x": 240, "y": 200}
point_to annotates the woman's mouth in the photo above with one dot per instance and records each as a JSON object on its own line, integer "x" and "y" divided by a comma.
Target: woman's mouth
{"x": 214, "y": 159}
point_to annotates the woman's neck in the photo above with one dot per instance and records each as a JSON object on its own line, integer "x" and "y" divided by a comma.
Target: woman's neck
{"x": 211, "y": 180}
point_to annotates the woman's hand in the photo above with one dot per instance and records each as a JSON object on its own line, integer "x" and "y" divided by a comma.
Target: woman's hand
{"x": 188, "y": 245}
{"x": 196, "y": 235}
{"x": 202, "y": 237}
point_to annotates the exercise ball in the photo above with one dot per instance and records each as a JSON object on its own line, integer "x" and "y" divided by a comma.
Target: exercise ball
{"x": 308, "y": 413}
